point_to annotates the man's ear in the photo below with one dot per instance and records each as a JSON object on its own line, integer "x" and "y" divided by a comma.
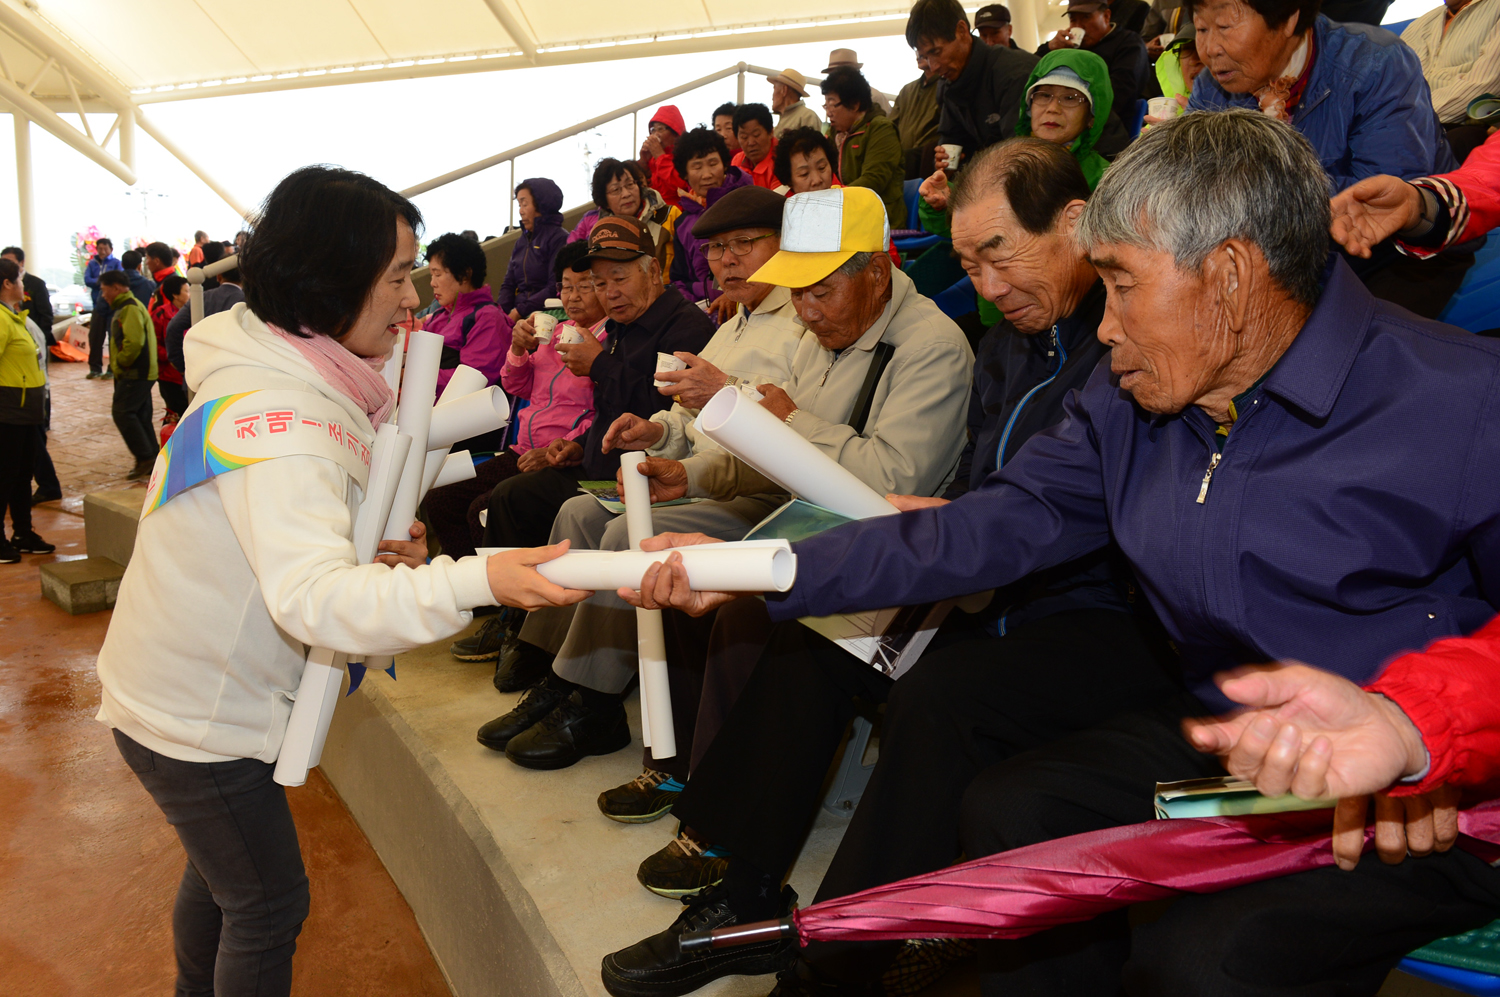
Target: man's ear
{"x": 1229, "y": 272}
{"x": 1067, "y": 218}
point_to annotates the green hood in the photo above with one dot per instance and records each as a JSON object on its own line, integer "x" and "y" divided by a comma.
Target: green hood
{"x": 1093, "y": 71}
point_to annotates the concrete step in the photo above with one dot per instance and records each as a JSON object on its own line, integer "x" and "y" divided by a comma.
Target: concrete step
{"x": 86, "y": 585}
{"x": 109, "y": 522}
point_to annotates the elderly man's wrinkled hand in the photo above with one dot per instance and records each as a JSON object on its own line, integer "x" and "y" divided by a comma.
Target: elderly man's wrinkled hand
{"x": 1404, "y": 825}
{"x": 631, "y": 432}
{"x": 1372, "y": 211}
{"x": 514, "y": 580}
{"x": 533, "y": 460}
{"x": 695, "y": 385}
{"x": 665, "y": 586}
{"x": 412, "y": 553}
{"x": 564, "y": 453}
{"x": 776, "y": 401}
{"x": 668, "y": 479}
{"x": 723, "y": 309}
{"x": 934, "y": 190}
{"x": 579, "y": 357}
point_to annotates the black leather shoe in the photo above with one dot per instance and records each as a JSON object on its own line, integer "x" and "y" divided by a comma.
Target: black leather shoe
{"x": 540, "y": 700}
{"x": 39, "y": 496}
{"x": 570, "y": 732}
{"x": 521, "y": 664}
{"x": 656, "y": 967}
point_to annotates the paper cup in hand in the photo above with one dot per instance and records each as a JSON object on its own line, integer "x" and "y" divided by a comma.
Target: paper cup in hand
{"x": 1074, "y": 35}
{"x": 1163, "y": 107}
{"x": 544, "y": 324}
{"x": 570, "y": 335}
{"x": 666, "y": 361}
{"x": 953, "y": 151}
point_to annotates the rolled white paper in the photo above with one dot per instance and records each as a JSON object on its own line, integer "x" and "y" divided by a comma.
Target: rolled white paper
{"x": 637, "y": 498}
{"x": 424, "y": 352}
{"x": 465, "y": 380}
{"x": 459, "y": 466}
{"x": 387, "y": 461}
{"x": 776, "y": 450}
{"x": 470, "y": 415}
{"x": 392, "y": 369}
{"x": 656, "y": 692}
{"x": 730, "y": 567}
{"x": 307, "y": 727}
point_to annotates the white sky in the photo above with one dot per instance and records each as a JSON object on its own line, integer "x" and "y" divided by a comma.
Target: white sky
{"x": 400, "y": 132}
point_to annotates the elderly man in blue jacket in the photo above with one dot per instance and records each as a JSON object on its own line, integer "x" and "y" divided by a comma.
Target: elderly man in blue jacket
{"x": 1356, "y": 92}
{"x": 1293, "y": 469}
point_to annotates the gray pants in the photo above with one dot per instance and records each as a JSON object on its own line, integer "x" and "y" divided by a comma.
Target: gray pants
{"x": 595, "y": 640}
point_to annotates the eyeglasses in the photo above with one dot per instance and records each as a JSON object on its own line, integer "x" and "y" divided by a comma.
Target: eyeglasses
{"x": 1070, "y": 100}
{"x": 715, "y": 250}
{"x": 619, "y": 187}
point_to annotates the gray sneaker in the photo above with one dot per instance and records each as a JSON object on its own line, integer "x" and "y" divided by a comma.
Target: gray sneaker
{"x": 484, "y": 644}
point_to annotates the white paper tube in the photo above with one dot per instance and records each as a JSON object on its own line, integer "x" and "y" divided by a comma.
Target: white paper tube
{"x": 392, "y": 369}
{"x": 656, "y": 693}
{"x": 637, "y": 498}
{"x": 323, "y": 673}
{"x": 424, "y": 351}
{"x": 710, "y": 567}
{"x": 432, "y": 467}
{"x": 465, "y": 380}
{"x": 387, "y": 461}
{"x": 773, "y": 448}
{"x": 459, "y": 466}
{"x": 472, "y": 414}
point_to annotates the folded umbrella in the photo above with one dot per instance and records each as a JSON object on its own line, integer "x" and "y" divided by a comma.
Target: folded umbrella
{"x": 1017, "y": 893}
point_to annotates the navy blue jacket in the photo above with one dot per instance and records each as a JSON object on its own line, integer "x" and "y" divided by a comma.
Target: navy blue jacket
{"x": 1354, "y": 513}
{"x": 529, "y": 280}
{"x": 1366, "y": 108}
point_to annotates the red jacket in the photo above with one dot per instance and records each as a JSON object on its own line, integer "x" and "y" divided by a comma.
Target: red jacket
{"x": 664, "y": 179}
{"x": 161, "y": 311}
{"x": 1451, "y": 691}
{"x": 1472, "y": 194}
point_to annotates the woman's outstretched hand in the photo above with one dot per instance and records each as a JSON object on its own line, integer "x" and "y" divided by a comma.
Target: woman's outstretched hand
{"x": 514, "y": 580}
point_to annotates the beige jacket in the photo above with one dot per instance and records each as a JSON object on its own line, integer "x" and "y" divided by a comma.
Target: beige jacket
{"x": 917, "y": 426}
{"x": 799, "y": 115}
{"x": 755, "y": 347}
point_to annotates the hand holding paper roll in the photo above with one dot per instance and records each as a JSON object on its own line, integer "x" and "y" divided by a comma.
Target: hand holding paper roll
{"x": 665, "y": 585}
{"x": 668, "y": 480}
{"x": 514, "y": 580}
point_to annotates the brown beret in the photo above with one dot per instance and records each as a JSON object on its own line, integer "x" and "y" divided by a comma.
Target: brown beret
{"x": 743, "y": 207}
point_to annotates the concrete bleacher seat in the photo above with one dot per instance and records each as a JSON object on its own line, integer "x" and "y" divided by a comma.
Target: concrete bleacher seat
{"x": 91, "y": 584}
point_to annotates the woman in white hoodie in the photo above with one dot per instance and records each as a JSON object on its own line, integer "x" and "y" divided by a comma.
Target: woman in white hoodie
{"x": 232, "y": 576}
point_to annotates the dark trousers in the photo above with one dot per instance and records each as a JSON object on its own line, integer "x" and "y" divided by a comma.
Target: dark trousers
{"x": 1465, "y": 139}
{"x": 734, "y": 645}
{"x": 453, "y": 510}
{"x": 243, "y": 895}
{"x": 41, "y": 466}
{"x": 17, "y": 456}
{"x": 523, "y": 507}
{"x": 98, "y": 332}
{"x": 132, "y": 412}
{"x": 1312, "y": 934}
{"x": 173, "y": 396}
{"x": 1423, "y": 287}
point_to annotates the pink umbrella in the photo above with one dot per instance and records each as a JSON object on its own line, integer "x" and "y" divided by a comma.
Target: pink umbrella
{"x": 1031, "y": 889}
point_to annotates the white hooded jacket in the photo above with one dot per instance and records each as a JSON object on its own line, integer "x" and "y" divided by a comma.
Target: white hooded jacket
{"x": 230, "y": 580}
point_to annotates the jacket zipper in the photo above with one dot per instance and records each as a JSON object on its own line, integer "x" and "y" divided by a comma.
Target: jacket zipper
{"x": 1208, "y": 477}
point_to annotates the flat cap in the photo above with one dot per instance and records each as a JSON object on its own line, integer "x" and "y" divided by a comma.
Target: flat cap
{"x": 743, "y": 207}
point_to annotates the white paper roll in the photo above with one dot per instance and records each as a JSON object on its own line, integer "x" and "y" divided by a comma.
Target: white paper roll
{"x": 470, "y": 415}
{"x": 656, "y": 692}
{"x": 637, "y": 498}
{"x": 424, "y": 352}
{"x": 387, "y": 461}
{"x": 773, "y": 448}
{"x": 465, "y": 380}
{"x": 392, "y": 369}
{"x": 459, "y": 466}
{"x": 728, "y": 567}
{"x": 307, "y": 727}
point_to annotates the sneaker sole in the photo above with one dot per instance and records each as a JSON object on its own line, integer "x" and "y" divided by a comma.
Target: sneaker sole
{"x": 662, "y": 891}
{"x": 491, "y": 656}
{"x": 550, "y": 764}
{"x": 758, "y": 964}
{"x": 637, "y": 819}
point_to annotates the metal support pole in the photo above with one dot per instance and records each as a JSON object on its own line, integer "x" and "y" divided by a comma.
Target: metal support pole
{"x": 510, "y": 192}
{"x": 24, "y": 186}
{"x": 127, "y": 136}
{"x": 739, "y": 95}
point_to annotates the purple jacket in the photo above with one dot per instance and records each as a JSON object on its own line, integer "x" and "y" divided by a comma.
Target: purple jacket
{"x": 562, "y": 403}
{"x": 1354, "y": 511}
{"x": 690, "y": 273}
{"x": 528, "y": 279}
{"x": 487, "y": 340}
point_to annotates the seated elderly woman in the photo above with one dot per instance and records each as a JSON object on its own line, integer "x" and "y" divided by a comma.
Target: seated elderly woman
{"x": 1356, "y": 94}
{"x": 475, "y": 331}
{"x": 702, "y": 157}
{"x": 804, "y": 162}
{"x": 1068, "y": 99}
{"x": 618, "y": 188}
{"x": 528, "y": 279}
{"x": 1276, "y": 494}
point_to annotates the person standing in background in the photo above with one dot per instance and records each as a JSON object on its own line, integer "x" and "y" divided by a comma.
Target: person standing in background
{"x": 994, "y": 27}
{"x": 22, "y": 410}
{"x": 103, "y": 261}
{"x": 528, "y": 279}
{"x": 788, "y": 91}
{"x": 916, "y": 118}
{"x": 850, "y": 58}
{"x": 665, "y": 129}
{"x": 170, "y": 298}
{"x": 132, "y": 361}
{"x": 38, "y": 299}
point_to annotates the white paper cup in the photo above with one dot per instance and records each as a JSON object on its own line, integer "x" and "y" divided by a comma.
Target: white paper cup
{"x": 666, "y": 361}
{"x": 1165, "y": 39}
{"x": 551, "y": 303}
{"x": 570, "y": 335}
{"x": 1075, "y": 35}
{"x": 1163, "y": 107}
{"x": 544, "y": 325}
{"x": 954, "y": 152}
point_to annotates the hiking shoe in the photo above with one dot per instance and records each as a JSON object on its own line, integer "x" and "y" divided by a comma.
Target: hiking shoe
{"x": 540, "y": 700}
{"x": 656, "y": 966}
{"x": 30, "y": 543}
{"x": 643, "y": 799}
{"x": 142, "y": 469}
{"x": 685, "y": 866}
{"x": 8, "y": 554}
{"x": 39, "y": 496}
{"x": 570, "y": 732}
{"x": 521, "y": 664}
{"x": 107, "y": 375}
{"x": 93, "y": 375}
{"x": 483, "y": 644}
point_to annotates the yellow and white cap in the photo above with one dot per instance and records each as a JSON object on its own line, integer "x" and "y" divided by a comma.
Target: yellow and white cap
{"x": 820, "y": 230}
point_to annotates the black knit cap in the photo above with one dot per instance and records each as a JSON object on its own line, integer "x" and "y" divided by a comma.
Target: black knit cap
{"x": 743, "y": 207}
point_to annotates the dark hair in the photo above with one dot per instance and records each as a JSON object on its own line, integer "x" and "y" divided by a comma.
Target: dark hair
{"x": 160, "y": 251}
{"x": 849, "y": 86}
{"x": 724, "y": 110}
{"x": 131, "y": 259}
{"x": 746, "y": 113}
{"x": 104, "y": 240}
{"x": 113, "y": 277}
{"x": 567, "y": 256}
{"x": 16, "y": 251}
{"x": 804, "y": 141}
{"x": 469, "y": 233}
{"x": 10, "y": 270}
{"x": 172, "y": 284}
{"x": 934, "y": 20}
{"x": 696, "y": 143}
{"x": 606, "y": 173}
{"x": 1038, "y": 177}
{"x": 1274, "y": 12}
{"x": 461, "y": 256}
{"x": 321, "y": 241}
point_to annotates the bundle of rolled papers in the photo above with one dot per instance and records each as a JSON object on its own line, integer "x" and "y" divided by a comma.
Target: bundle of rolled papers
{"x": 410, "y": 456}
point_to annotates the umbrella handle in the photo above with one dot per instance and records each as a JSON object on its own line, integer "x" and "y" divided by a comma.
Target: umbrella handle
{"x": 739, "y": 934}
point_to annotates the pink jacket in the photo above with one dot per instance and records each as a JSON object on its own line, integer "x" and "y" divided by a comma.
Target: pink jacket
{"x": 562, "y": 403}
{"x": 487, "y": 342}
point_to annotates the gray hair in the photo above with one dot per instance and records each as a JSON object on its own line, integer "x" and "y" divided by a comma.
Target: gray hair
{"x": 855, "y": 265}
{"x": 645, "y": 261}
{"x": 1187, "y": 186}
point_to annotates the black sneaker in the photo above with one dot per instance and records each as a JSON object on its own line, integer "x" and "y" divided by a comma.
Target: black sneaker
{"x": 521, "y": 664}
{"x": 39, "y": 496}
{"x": 657, "y": 967}
{"x": 684, "y": 867}
{"x": 8, "y": 554}
{"x": 570, "y": 732}
{"x": 540, "y": 700}
{"x": 643, "y": 799}
{"x": 92, "y": 375}
{"x": 30, "y": 543}
{"x": 483, "y": 644}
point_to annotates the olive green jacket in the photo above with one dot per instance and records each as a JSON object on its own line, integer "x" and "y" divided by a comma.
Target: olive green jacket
{"x": 871, "y": 156}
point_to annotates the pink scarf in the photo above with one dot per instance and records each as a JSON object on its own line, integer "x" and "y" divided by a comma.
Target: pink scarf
{"x": 357, "y": 377}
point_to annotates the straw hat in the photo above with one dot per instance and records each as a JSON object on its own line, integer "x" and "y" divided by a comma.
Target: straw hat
{"x": 793, "y": 79}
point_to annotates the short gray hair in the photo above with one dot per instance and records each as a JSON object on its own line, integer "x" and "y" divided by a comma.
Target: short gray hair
{"x": 855, "y": 265}
{"x": 1187, "y": 186}
{"x": 645, "y": 260}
